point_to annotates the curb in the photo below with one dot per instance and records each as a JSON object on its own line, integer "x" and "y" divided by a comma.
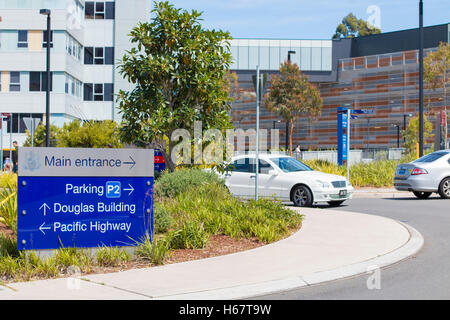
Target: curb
{"x": 409, "y": 249}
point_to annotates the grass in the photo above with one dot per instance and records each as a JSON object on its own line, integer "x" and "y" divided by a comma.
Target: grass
{"x": 377, "y": 174}
{"x": 8, "y": 200}
{"x": 190, "y": 206}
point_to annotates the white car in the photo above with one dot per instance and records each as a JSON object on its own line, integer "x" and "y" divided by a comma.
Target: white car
{"x": 286, "y": 179}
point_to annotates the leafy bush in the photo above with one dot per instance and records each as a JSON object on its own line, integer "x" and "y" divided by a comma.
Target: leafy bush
{"x": 191, "y": 235}
{"x": 8, "y": 200}
{"x": 155, "y": 252}
{"x": 216, "y": 211}
{"x": 172, "y": 184}
{"x": 8, "y": 246}
{"x": 161, "y": 219}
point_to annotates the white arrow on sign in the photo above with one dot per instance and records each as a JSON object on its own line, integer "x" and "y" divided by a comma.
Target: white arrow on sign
{"x": 43, "y": 227}
{"x": 131, "y": 189}
{"x": 45, "y": 206}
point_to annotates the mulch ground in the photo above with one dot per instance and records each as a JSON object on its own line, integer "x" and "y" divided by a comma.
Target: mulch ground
{"x": 218, "y": 245}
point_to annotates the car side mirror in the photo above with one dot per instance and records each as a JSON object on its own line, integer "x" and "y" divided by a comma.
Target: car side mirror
{"x": 273, "y": 172}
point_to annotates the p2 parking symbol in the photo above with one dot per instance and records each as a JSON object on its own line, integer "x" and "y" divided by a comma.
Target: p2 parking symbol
{"x": 113, "y": 189}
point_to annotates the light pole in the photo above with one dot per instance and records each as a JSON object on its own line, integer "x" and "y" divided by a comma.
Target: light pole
{"x": 274, "y": 122}
{"x": 47, "y": 12}
{"x": 398, "y": 134}
{"x": 421, "y": 79}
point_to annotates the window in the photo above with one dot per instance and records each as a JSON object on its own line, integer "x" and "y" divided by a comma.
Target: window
{"x": 35, "y": 81}
{"x": 14, "y": 81}
{"x": 110, "y": 10}
{"x": 18, "y": 124}
{"x": 88, "y": 55}
{"x": 432, "y": 157}
{"x": 109, "y": 55}
{"x": 108, "y": 92}
{"x": 38, "y": 81}
{"x": 288, "y": 164}
{"x": 99, "y": 10}
{"x": 99, "y": 56}
{"x": 98, "y": 92}
{"x": 89, "y": 10}
{"x": 241, "y": 165}
{"x": 88, "y": 92}
{"x": 22, "y": 41}
{"x": 44, "y": 39}
{"x": 264, "y": 167}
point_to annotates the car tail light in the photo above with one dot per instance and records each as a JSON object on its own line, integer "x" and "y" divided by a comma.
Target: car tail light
{"x": 418, "y": 171}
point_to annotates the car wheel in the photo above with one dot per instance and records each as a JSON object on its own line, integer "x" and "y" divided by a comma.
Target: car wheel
{"x": 335, "y": 203}
{"x": 422, "y": 195}
{"x": 301, "y": 196}
{"x": 444, "y": 188}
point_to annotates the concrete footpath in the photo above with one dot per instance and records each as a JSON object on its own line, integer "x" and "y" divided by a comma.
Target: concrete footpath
{"x": 381, "y": 193}
{"x": 330, "y": 245}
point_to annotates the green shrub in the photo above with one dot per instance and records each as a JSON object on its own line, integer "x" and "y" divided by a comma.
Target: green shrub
{"x": 8, "y": 200}
{"x": 172, "y": 184}
{"x": 111, "y": 256}
{"x": 8, "y": 246}
{"x": 190, "y": 235}
{"x": 216, "y": 211}
{"x": 155, "y": 252}
{"x": 161, "y": 219}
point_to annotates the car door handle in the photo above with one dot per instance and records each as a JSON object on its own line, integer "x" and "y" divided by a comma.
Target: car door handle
{"x": 252, "y": 177}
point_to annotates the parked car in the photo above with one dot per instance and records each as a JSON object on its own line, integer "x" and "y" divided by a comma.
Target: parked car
{"x": 428, "y": 174}
{"x": 286, "y": 179}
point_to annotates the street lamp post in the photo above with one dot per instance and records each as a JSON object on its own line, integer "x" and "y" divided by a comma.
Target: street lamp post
{"x": 47, "y": 12}
{"x": 421, "y": 142}
{"x": 398, "y": 134}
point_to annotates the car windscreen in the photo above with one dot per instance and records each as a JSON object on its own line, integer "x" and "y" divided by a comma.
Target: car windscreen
{"x": 431, "y": 157}
{"x": 288, "y": 164}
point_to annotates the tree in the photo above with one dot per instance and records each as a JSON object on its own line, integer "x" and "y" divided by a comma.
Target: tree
{"x": 89, "y": 134}
{"x": 436, "y": 69}
{"x": 93, "y": 134}
{"x": 291, "y": 95}
{"x": 411, "y": 134}
{"x": 351, "y": 27}
{"x": 179, "y": 70}
{"x": 39, "y": 136}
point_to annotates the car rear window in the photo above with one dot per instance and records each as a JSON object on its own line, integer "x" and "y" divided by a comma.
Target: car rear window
{"x": 432, "y": 157}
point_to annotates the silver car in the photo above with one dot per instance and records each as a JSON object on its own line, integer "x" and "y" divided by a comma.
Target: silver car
{"x": 428, "y": 174}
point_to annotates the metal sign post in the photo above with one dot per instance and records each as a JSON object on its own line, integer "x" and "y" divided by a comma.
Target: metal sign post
{"x": 76, "y": 197}
{"x": 31, "y": 124}
{"x": 257, "y": 133}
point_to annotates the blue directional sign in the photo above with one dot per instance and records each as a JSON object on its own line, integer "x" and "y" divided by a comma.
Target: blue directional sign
{"x": 104, "y": 209}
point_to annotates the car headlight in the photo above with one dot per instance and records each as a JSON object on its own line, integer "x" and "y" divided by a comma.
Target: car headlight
{"x": 323, "y": 184}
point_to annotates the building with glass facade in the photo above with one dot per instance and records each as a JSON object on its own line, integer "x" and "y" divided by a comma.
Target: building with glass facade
{"x": 377, "y": 72}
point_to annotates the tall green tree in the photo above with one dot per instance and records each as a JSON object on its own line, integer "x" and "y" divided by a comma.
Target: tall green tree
{"x": 351, "y": 27}
{"x": 437, "y": 68}
{"x": 411, "y": 134}
{"x": 292, "y": 95}
{"x": 180, "y": 72}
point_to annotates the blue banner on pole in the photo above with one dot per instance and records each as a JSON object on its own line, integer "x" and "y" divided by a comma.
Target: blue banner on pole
{"x": 342, "y": 138}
